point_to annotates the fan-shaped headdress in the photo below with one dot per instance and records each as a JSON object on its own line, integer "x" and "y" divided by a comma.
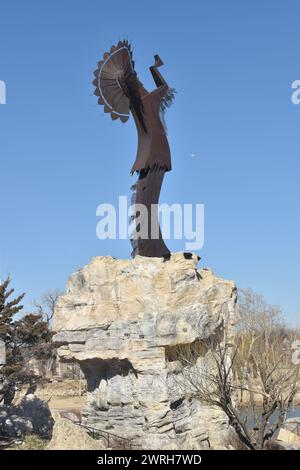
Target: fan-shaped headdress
{"x": 116, "y": 83}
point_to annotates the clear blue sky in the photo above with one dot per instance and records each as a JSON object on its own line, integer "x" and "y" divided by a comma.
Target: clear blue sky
{"x": 232, "y": 64}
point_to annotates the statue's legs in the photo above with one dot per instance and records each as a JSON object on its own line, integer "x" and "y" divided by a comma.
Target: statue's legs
{"x": 147, "y": 238}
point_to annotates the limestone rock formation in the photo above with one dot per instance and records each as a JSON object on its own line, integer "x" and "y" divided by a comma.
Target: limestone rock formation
{"x": 121, "y": 321}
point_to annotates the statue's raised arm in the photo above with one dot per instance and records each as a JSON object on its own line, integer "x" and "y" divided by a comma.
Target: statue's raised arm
{"x": 157, "y": 76}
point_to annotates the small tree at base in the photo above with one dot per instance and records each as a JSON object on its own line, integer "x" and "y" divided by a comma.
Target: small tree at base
{"x": 25, "y": 338}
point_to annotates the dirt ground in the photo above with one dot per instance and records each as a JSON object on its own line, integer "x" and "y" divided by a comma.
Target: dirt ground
{"x": 69, "y": 395}
{"x": 67, "y": 403}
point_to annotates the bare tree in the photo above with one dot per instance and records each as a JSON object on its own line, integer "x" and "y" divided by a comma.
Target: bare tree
{"x": 217, "y": 370}
{"x": 260, "y": 330}
{"x": 46, "y": 305}
{"x": 46, "y": 308}
{"x": 211, "y": 382}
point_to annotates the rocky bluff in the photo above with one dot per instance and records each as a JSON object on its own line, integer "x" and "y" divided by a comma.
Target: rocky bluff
{"x": 122, "y": 320}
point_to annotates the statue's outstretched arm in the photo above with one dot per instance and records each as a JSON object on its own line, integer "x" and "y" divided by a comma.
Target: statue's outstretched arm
{"x": 157, "y": 76}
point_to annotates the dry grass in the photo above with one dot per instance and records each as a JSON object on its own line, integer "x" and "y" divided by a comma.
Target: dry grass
{"x": 32, "y": 442}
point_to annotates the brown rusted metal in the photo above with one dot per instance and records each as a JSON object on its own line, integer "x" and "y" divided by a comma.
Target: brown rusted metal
{"x": 121, "y": 92}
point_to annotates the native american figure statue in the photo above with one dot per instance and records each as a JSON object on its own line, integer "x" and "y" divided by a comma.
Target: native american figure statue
{"x": 121, "y": 92}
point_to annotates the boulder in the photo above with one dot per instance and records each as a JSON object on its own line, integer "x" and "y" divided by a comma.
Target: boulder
{"x": 39, "y": 414}
{"x": 293, "y": 425}
{"x": 12, "y": 424}
{"x": 288, "y": 439}
{"x": 31, "y": 416}
{"x": 69, "y": 436}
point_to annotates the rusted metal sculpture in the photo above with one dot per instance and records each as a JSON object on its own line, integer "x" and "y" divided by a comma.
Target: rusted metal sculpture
{"x": 121, "y": 92}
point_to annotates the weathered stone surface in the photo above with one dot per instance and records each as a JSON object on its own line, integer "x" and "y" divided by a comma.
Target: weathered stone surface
{"x": 39, "y": 413}
{"x": 293, "y": 425}
{"x": 12, "y": 424}
{"x": 120, "y": 319}
{"x": 69, "y": 436}
{"x": 31, "y": 416}
{"x": 288, "y": 439}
